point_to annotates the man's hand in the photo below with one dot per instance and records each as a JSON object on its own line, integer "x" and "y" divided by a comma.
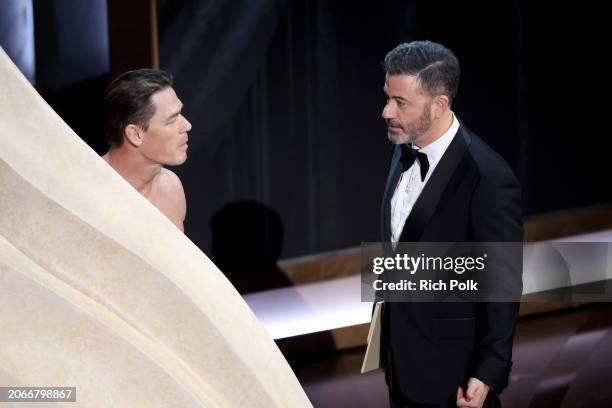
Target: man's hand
{"x": 474, "y": 396}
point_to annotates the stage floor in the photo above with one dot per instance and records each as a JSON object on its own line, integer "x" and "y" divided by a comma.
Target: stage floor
{"x": 561, "y": 359}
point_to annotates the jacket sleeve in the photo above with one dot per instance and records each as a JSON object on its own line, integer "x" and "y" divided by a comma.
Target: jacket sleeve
{"x": 496, "y": 216}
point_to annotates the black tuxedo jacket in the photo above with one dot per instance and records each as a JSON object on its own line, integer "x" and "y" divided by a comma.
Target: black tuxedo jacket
{"x": 430, "y": 349}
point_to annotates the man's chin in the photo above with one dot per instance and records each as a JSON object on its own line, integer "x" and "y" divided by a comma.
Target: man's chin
{"x": 177, "y": 161}
{"x": 397, "y": 138}
{"x": 182, "y": 160}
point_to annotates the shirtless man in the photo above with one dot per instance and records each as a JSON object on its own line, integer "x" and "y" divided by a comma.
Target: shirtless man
{"x": 145, "y": 131}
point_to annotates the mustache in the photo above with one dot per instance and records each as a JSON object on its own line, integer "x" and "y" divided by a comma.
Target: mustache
{"x": 391, "y": 122}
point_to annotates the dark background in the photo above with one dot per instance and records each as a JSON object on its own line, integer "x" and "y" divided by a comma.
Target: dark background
{"x": 285, "y": 100}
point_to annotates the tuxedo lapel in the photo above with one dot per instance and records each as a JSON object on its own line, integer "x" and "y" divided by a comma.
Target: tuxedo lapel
{"x": 427, "y": 202}
{"x": 395, "y": 170}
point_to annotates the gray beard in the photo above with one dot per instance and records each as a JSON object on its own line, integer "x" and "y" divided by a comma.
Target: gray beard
{"x": 419, "y": 129}
{"x": 414, "y": 137}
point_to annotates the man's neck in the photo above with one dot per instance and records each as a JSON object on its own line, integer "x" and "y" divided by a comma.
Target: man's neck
{"x": 134, "y": 168}
{"x": 437, "y": 129}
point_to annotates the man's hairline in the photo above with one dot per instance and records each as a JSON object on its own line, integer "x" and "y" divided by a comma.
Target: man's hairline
{"x": 145, "y": 126}
{"x": 419, "y": 82}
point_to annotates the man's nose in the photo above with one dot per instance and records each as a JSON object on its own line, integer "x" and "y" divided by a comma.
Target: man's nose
{"x": 388, "y": 112}
{"x": 187, "y": 125}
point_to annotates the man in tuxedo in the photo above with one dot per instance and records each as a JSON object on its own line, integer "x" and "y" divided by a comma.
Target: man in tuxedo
{"x": 444, "y": 185}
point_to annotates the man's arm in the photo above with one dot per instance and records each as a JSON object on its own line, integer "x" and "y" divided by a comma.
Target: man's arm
{"x": 496, "y": 217}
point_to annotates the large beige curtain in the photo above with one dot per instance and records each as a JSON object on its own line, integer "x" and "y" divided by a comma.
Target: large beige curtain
{"x": 99, "y": 291}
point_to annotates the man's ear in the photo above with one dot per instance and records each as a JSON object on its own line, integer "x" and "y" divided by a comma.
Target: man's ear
{"x": 133, "y": 135}
{"x": 439, "y": 106}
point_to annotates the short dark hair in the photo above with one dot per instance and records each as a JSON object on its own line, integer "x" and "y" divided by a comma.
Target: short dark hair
{"x": 434, "y": 65}
{"x": 128, "y": 101}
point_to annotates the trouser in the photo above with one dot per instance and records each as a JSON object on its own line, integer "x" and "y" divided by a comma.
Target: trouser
{"x": 399, "y": 401}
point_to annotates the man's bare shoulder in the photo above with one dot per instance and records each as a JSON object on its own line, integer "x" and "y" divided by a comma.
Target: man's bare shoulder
{"x": 171, "y": 188}
{"x": 170, "y": 196}
{"x": 170, "y": 181}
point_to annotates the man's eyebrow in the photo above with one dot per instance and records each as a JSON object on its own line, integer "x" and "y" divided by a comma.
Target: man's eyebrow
{"x": 397, "y": 98}
{"x": 394, "y": 97}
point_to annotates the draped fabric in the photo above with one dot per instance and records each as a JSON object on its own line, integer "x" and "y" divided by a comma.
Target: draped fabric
{"x": 286, "y": 96}
{"x": 285, "y": 100}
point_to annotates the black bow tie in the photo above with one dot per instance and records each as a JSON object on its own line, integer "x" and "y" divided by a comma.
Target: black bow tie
{"x": 408, "y": 156}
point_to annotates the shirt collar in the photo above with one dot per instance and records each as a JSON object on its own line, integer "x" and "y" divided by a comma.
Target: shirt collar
{"x": 436, "y": 149}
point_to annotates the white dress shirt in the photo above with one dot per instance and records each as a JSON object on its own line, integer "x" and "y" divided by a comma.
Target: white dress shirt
{"x": 409, "y": 186}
